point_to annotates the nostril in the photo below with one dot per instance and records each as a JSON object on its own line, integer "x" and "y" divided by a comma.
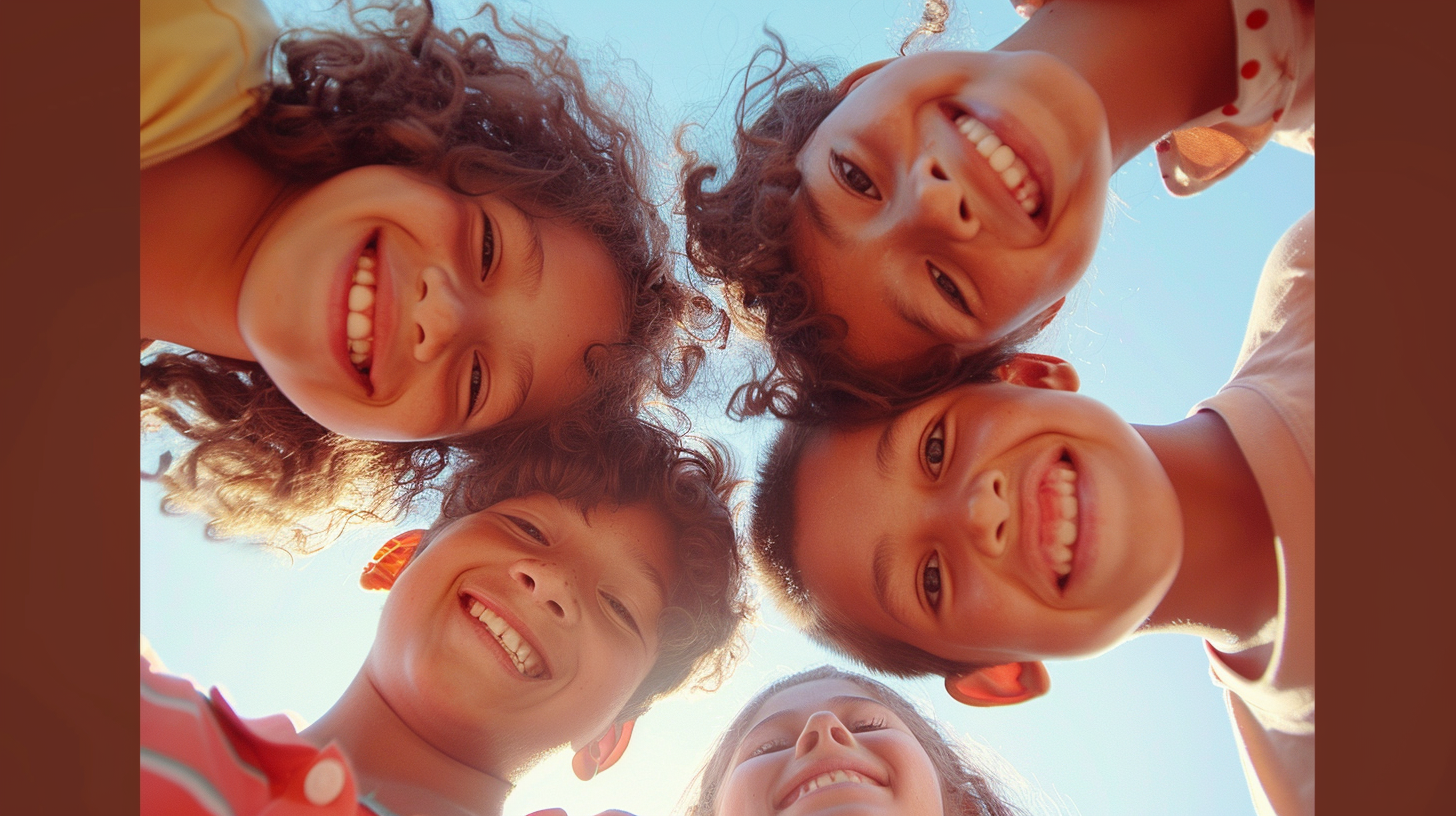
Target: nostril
{"x": 965, "y": 212}
{"x": 1001, "y": 530}
{"x": 840, "y": 735}
{"x": 938, "y": 173}
{"x": 556, "y": 609}
{"x": 422, "y": 333}
{"x": 526, "y": 580}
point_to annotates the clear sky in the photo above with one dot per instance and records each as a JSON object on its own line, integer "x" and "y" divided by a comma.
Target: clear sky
{"x": 1153, "y": 328}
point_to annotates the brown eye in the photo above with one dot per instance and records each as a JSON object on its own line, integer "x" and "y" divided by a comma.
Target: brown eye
{"x": 487, "y": 248}
{"x": 853, "y": 177}
{"x": 475, "y": 380}
{"x": 930, "y": 581}
{"x": 948, "y": 288}
{"x": 935, "y": 449}
{"x": 528, "y": 528}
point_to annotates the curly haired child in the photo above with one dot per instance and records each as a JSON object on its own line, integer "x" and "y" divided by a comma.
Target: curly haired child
{"x": 582, "y": 576}
{"x": 405, "y": 241}
{"x": 899, "y": 231}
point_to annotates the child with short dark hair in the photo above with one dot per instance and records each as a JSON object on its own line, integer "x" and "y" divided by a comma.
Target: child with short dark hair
{"x": 999, "y": 524}
{"x": 405, "y": 241}
{"x": 897, "y": 232}
{"x": 589, "y": 572}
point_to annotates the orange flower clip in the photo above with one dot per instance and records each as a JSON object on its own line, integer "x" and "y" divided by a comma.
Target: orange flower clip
{"x": 381, "y": 573}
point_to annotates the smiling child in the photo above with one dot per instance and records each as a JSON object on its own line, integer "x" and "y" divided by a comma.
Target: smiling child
{"x": 829, "y": 740}
{"x": 999, "y": 524}
{"x": 558, "y": 596}
{"x": 405, "y": 235}
{"x": 890, "y": 235}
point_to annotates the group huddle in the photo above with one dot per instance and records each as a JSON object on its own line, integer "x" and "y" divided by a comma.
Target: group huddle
{"x": 415, "y": 267}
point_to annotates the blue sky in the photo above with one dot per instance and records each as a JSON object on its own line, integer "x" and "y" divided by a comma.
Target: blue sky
{"x": 1153, "y": 328}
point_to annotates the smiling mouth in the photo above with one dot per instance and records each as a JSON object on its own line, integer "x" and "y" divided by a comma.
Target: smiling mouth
{"x": 1013, "y": 171}
{"x": 526, "y": 661}
{"x": 359, "y": 322}
{"x": 827, "y": 779}
{"x": 1059, "y": 509}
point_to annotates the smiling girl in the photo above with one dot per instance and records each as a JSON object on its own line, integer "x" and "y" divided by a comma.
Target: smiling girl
{"x": 405, "y": 238}
{"x": 826, "y": 739}
{"x": 890, "y": 234}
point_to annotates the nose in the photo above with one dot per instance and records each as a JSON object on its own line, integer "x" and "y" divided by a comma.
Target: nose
{"x": 440, "y": 314}
{"x": 940, "y": 203}
{"x": 549, "y": 587}
{"x": 822, "y": 730}
{"x": 977, "y": 512}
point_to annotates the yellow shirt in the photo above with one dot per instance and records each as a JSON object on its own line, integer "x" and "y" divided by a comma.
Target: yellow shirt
{"x": 200, "y": 62}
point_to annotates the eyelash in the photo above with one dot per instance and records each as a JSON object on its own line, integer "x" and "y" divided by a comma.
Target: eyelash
{"x": 874, "y": 724}
{"x": 932, "y": 567}
{"x": 622, "y": 612}
{"x": 948, "y": 289}
{"x": 934, "y": 450}
{"x": 838, "y": 164}
{"x": 487, "y": 249}
{"x": 530, "y": 530}
{"x": 475, "y": 379}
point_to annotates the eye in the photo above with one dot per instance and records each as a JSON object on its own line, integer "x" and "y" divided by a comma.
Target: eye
{"x": 853, "y": 177}
{"x": 935, "y": 449}
{"x": 475, "y": 380}
{"x": 948, "y": 289}
{"x": 529, "y": 529}
{"x": 875, "y": 724}
{"x": 487, "y": 248}
{"x": 769, "y": 748}
{"x": 930, "y": 581}
{"x": 622, "y": 612}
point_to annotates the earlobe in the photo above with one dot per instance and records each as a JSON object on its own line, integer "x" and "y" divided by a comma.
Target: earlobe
{"x": 381, "y": 572}
{"x": 856, "y": 76}
{"x": 1040, "y": 371}
{"x": 1007, "y": 684}
{"x": 602, "y": 752}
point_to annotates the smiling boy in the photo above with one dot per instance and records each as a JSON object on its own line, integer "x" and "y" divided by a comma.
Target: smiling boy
{"x": 1003, "y": 523}
{"x": 558, "y": 597}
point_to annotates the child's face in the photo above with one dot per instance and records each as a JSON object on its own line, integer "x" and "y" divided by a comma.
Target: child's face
{"x": 478, "y": 313}
{"x": 524, "y": 627}
{"x": 914, "y": 237}
{"x": 993, "y": 524}
{"x": 807, "y": 732}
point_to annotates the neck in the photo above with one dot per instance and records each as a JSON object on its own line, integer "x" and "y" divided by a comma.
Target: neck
{"x": 1227, "y": 588}
{"x": 202, "y": 215}
{"x": 398, "y": 766}
{"x": 1155, "y": 63}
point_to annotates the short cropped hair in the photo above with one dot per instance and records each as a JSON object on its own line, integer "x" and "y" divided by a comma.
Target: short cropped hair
{"x": 588, "y": 458}
{"x": 773, "y": 537}
{"x": 965, "y": 789}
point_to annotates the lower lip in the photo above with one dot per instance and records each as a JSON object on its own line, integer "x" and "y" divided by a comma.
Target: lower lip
{"x": 339, "y": 313}
{"x": 840, "y": 787}
{"x": 1010, "y": 131}
{"x": 496, "y": 648}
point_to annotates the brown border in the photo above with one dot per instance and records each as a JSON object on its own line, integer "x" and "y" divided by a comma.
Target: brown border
{"x": 69, "y": 254}
{"x": 1387, "y": 562}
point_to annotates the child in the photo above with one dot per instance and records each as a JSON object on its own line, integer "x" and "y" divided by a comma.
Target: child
{"x": 784, "y": 745}
{"x": 409, "y": 236}
{"x": 887, "y": 234}
{"x": 555, "y": 600}
{"x": 998, "y": 524}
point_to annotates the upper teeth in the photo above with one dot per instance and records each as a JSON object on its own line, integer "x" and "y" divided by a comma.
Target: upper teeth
{"x": 359, "y": 325}
{"x": 1061, "y": 514}
{"x": 526, "y": 660}
{"x": 831, "y": 778}
{"x": 1013, "y": 171}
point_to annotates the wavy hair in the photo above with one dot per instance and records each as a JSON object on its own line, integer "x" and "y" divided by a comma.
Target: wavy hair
{"x": 503, "y": 111}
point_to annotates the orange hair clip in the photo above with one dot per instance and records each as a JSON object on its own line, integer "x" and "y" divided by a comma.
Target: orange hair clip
{"x": 381, "y": 573}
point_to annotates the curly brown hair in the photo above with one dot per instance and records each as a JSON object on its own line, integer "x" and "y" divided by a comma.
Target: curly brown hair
{"x": 590, "y": 457}
{"x": 965, "y": 789}
{"x": 740, "y": 236}
{"x": 505, "y": 111}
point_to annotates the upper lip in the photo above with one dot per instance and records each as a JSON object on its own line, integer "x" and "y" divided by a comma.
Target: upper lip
{"x": 987, "y": 181}
{"x": 842, "y": 762}
{"x": 515, "y": 623}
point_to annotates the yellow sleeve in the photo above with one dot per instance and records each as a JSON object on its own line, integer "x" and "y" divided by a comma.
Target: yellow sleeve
{"x": 200, "y": 61}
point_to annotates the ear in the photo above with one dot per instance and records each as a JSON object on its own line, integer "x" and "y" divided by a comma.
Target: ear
{"x": 602, "y": 752}
{"x": 1040, "y": 371}
{"x": 850, "y": 82}
{"x": 390, "y": 561}
{"x": 1007, "y": 684}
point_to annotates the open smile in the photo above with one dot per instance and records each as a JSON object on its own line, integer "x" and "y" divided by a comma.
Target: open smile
{"x": 1013, "y": 157}
{"x": 819, "y": 777}
{"x": 516, "y": 647}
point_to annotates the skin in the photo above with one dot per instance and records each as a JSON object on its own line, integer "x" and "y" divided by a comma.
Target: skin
{"x": 470, "y": 287}
{"x": 825, "y": 725}
{"x": 905, "y": 232}
{"x": 945, "y": 502}
{"x": 438, "y": 719}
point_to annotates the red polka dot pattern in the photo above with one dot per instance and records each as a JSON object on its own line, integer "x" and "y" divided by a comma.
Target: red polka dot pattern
{"x": 1250, "y": 69}
{"x": 1257, "y": 18}
{"x": 1230, "y": 110}
{"x": 1278, "y": 114}
{"x": 1165, "y": 145}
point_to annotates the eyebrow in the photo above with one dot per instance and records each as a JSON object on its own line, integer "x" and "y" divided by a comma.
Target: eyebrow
{"x": 819, "y": 216}
{"x": 523, "y": 372}
{"x": 880, "y": 571}
{"x": 884, "y": 447}
{"x": 535, "y": 256}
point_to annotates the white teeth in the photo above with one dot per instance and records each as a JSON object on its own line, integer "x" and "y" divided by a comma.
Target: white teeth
{"x": 359, "y": 326}
{"x": 360, "y": 297}
{"x": 1066, "y": 532}
{"x": 520, "y": 652}
{"x": 366, "y": 263}
{"x": 359, "y": 323}
{"x": 1004, "y": 161}
{"x": 831, "y": 778}
{"x": 1060, "y": 497}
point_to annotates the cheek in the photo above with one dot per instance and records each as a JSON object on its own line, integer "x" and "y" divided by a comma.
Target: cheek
{"x": 746, "y": 790}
